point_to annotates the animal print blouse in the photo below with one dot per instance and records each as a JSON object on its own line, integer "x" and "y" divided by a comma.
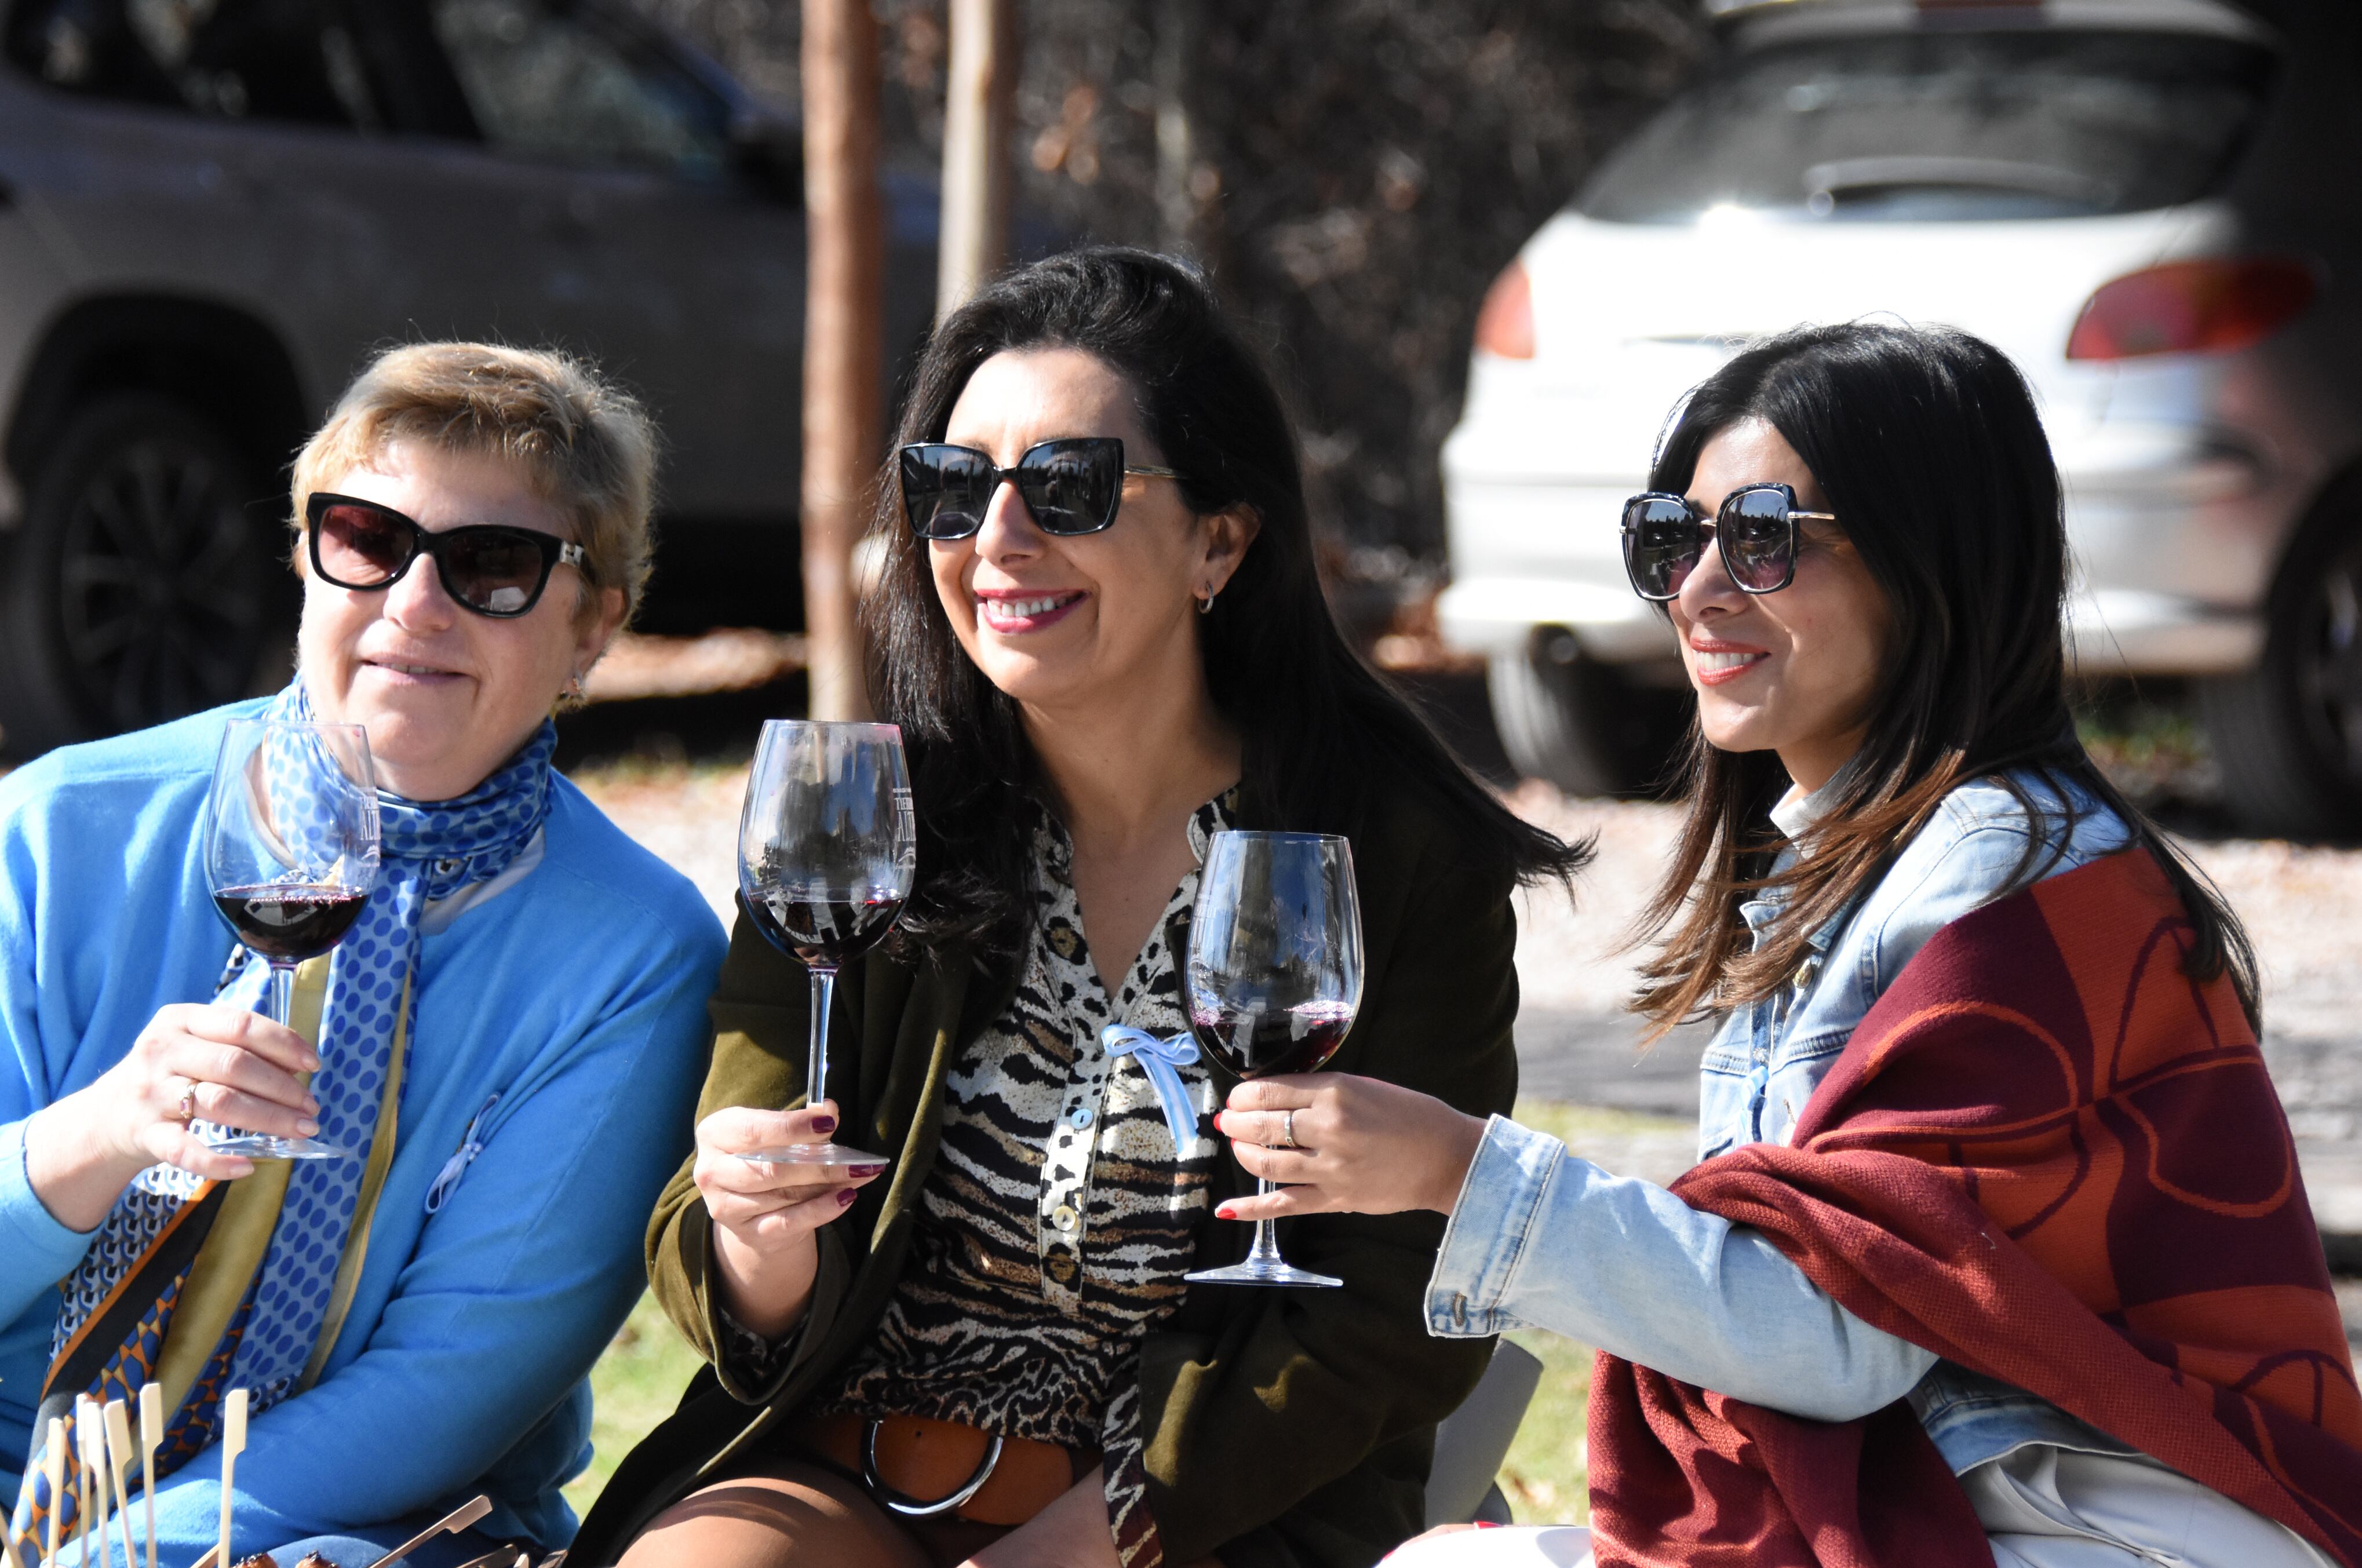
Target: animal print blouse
{"x": 1057, "y": 1222}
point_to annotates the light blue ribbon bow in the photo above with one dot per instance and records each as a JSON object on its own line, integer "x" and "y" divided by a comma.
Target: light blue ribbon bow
{"x": 1160, "y": 1059}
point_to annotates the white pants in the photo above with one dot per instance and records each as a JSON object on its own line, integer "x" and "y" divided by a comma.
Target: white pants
{"x": 2054, "y": 1507}
{"x": 2041, "y": 1507}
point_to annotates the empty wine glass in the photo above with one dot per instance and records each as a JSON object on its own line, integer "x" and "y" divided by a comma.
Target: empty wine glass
{"x": 290, "y": 855}
{"x": 827, "y": 849}
{"x": 1273, "y": 980}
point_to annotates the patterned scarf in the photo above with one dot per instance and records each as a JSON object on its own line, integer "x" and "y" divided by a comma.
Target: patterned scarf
{"x": 118, "y": 1303}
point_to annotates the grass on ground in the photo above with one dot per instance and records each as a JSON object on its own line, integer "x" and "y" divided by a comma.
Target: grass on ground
{"x": 639, "y": 1379}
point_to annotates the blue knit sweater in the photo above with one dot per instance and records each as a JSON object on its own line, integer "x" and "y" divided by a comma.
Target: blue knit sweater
{"x": 577, "y": 995}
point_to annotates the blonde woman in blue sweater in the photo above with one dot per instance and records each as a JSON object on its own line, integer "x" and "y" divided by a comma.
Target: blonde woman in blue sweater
{"x": 536, "y": 980}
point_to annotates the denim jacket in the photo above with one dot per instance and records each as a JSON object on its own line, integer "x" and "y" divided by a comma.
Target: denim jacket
{"x": 1543, "y": 1238}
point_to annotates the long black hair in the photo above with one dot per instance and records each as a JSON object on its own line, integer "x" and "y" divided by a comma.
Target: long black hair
{"x": 1926, "y": 443}
{"x": 1322, "y": 734}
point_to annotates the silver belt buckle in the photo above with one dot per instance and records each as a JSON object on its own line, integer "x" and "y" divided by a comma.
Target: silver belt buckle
{"x": 911, "y": 1508}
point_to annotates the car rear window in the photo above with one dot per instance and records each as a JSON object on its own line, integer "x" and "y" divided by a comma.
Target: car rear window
{"x": 1944, "y": 125}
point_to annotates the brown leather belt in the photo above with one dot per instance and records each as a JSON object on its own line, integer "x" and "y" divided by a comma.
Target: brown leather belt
{"x": 918, "y": 1467}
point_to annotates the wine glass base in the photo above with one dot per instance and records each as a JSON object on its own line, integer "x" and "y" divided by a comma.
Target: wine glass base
{"x": 813, "y": 1155}
{"x": 1254, "y": 1272}
{"x": 263, "y": 1147}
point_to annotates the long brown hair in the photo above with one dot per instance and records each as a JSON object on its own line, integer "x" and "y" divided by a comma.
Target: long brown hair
{"x": 1926, "y": 443}
{"x": 1324, "y": 736}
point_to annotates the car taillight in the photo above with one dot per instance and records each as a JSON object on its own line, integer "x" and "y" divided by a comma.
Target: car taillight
{"x": 2192, "y": 307}
{"x": 1505, "y": 325}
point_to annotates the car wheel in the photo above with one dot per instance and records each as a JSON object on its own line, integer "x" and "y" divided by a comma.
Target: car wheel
{"x": 2288, "y": 736}
{"x": 136, "y": 588}
{"x": 1578, "y": 723}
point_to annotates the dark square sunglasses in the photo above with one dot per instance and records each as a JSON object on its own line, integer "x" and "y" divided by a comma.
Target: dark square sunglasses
{"x": 1755, "y": 529}
{"x": 1071, "y": 487}
{"x": 488, "y": 567}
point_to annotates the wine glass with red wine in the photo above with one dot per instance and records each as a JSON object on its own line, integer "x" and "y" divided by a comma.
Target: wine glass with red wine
{"x": 1274, "y": 979}
{"x": 290, "y": 855}
{"x": 827, "y": 849}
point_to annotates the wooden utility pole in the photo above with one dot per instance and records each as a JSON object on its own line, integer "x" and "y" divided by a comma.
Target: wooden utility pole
{"x": 979, "y": 111}
{"x": 844, "y": 244}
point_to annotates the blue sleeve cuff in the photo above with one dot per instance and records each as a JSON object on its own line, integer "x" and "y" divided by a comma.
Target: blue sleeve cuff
{"x": 1485, "y": 1241}
{"x": 36, "y": 1245}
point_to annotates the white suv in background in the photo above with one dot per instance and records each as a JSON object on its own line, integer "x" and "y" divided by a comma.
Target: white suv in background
{"x": 2151, "y": 204}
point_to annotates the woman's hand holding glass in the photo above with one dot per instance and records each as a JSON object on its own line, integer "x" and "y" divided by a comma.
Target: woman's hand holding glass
{"x": 1362, "y": 1146}
{"x": 201, "y": 1061}
{"x": 765, "y": 1214}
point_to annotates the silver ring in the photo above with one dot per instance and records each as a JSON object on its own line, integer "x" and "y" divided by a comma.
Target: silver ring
{"x": 1288, "y": 1130}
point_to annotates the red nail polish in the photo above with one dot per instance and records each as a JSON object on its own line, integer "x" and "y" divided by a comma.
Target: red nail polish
{"x": 1225, "y": 1213}
{"x": 844, "y": 1196}
{"x": 1487, "y": 1524}
{"x": 823, "y": 1123}
{"x": 866, "y": 1170}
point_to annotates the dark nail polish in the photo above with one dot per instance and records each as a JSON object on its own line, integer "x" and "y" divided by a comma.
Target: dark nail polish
{"x": 866, "y": 1171}
{"x": 823, "y": 1123}
{"x": 844, "y": 1196}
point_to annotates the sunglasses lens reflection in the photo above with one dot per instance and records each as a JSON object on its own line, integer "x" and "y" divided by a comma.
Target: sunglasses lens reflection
{"x": 1663, "y": 541}
{"x": 945, "y": 490}
{"x": 361, "y": 548}
{"x": 1072, "y": 487}
{"x": 494, "y": 570}
{"x": 1757, "y": 542}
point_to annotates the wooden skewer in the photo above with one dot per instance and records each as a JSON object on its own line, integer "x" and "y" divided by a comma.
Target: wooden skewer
{"x": 53, "y": 1471}
{"x": 151, "y": 1438}
{"x": 86, "y": 1426}
{"x": 119, "y": 1458}
{"x": 93, "y": 1458}
{"x": 233, "y": 1444}
{"x": 457, "y": 1520}
{"x": 8, "y": 1541}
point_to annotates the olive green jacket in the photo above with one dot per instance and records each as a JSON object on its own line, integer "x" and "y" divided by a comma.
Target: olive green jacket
{"x": 1285, "y": 1428}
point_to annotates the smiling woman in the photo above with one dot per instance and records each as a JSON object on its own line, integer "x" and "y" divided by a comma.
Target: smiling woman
{"x": 1932, "y": 1285}
{"x": 517, "y": 1013}
{"x": 1101, "y": 634}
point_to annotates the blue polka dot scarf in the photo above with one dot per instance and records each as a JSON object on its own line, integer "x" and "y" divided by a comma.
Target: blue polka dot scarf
{"x": 431, "y": 850}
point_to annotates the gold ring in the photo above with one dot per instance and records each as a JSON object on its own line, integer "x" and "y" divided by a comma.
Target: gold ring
{"x": 187, "y": 1109}
{"x": 1288, "y": 1130}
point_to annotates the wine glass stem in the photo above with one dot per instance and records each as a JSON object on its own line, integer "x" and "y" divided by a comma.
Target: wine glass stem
{"x": 1267, "y": 1240}
{"x": 282, "y": 991}
{"x": 824, "y": 991}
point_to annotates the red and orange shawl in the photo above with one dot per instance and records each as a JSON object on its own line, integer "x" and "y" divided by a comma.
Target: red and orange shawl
{"x": 2049, "y": 1155}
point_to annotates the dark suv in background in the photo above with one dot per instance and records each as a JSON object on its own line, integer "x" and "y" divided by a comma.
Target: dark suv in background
{"x": 210, "y": 211}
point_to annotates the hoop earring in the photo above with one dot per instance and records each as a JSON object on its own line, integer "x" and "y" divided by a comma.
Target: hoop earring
{"x": 1206, "y": 606}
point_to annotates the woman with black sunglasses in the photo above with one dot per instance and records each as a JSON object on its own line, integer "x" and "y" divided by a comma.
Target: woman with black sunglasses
{"x": 515, "y": 1022}
{"x": 1101, "y": 631}
{"x": 1999, "y": 1253}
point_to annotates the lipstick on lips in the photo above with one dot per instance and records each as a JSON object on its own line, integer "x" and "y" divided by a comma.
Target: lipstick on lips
{"x": 1714, "y": 662}
{"x": 1012, "y": 611}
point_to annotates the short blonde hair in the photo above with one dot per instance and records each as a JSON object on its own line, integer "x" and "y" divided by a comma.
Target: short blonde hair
{"x": 587, "y": 445}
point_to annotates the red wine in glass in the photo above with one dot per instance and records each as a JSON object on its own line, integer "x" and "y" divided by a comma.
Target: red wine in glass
{"x": 821, "y": 929}
{"x": 290, "y": 923}
{"x": 1255, "y": 1045}
{"x": 1273, "y": 981}
{"x": 827, "y": 850}
{"x": 291, "y": 847}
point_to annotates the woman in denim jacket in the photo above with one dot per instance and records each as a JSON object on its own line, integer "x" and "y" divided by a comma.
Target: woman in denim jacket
{"x": 1857, "y": 533}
